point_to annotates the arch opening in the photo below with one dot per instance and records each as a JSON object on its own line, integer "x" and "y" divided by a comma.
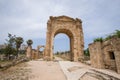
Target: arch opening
{"x": 62, "y": 46}
{"x": 68, "y": 54}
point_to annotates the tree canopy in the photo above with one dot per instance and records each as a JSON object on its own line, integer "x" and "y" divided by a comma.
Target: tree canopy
{"x": 13, "y": 43}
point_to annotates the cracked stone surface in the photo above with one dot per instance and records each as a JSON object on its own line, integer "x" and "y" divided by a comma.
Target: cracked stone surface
{"x": 80, "y": 71}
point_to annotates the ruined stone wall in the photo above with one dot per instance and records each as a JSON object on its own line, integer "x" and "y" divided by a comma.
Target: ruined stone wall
{"x": 96, "y": 55}
{"x": 100, "y": 54}
{"x": 107, "y": 48}
{"x": 116, "y": 45}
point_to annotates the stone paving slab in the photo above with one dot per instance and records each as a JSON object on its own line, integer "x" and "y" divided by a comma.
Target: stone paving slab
{"x": 75, "y": 70}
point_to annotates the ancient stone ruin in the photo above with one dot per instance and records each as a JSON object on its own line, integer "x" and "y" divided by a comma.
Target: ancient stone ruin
{"x": 106, "y": 54}
{"x": 34, "y": 53}
{"x": 29, "y": 51}
{"x": 69, "y": 26}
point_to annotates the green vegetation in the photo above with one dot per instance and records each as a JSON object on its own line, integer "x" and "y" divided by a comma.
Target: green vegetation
{"x": 117, "y": 33}
{"x": 98, "y": 39}
{"x": 12, "y": 46}
{"x": 18, "y": 42}
{"x": 113, "y": 35}
{"x": 9, "y": 51}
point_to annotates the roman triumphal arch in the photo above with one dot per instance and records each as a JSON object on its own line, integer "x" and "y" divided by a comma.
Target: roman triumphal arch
{"x": 69, "y": 26}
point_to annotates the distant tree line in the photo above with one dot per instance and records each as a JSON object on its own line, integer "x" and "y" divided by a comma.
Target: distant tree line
{"x": 86, "y": 52}
{"x": 63, "y": 52}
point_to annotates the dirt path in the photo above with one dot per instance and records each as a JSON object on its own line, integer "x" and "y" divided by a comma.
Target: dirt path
{"x": 18, "y": 72}
{"x": 34, "y": 70}
{"x": 46, "y": 70}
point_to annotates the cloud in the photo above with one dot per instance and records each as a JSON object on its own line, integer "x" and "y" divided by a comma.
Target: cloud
{"x": 28, "y": 18}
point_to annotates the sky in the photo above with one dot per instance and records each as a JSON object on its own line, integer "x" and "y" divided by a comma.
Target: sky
{"x": 28, "y": 19}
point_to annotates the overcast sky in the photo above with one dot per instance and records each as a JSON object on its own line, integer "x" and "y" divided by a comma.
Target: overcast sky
{"x": 28, "y": 18}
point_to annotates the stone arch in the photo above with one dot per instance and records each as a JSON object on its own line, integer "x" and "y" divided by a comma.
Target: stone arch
{"x": 71, "y": 38}
{"x": 39, "y": 47}
{"x": 69, "y": 26}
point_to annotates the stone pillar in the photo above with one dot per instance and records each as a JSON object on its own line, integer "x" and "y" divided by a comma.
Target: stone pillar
{"x": 51, "y": 48}
{"x": 33, "y": 54}
{"x": 47, "y": 44}
{"x": 96, "y": 55}
{"x": 75, "y": 49}
{"x": 80, "y": 39}
{"x": 116, "y": 44}
{"x": 48, "y": 40}
{"x": 29, "y": 52}
{"x": 117, "y": 60}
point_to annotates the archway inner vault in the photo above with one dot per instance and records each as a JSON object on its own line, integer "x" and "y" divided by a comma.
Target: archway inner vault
{"x": 69, "y": 26}
{"x": 69, "y": 53}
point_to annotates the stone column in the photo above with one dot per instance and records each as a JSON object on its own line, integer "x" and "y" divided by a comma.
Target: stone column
{"x": 75, "y": 49}
{"x": 29, "y": 52}
{"x": 47, "y": 44}
{"x": 71, "y": 49}
{"x": 51, "y": 48}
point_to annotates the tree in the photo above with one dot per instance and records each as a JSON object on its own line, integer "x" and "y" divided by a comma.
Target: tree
{"x": 19, "y": 41}
{"x": 11, "y": 40}
{"x": 9, "y": 51}
{"x": 2, "y": 51}
{"x": 10, "y": 46}
{"x": 29, "y": 42}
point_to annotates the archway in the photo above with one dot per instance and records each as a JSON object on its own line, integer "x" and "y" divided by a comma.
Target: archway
{"x": 62, "y": 46}
{"x": 40, "y": 53}
{"x": 63, "y": 40}
{"x": 69, "y": 26}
